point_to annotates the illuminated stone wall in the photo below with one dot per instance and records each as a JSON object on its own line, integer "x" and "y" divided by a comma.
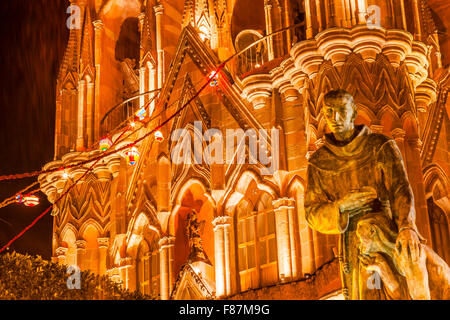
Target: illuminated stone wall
{"x": 397, "y": 71}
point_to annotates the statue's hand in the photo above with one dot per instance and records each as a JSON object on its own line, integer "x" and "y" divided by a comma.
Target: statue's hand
{"x": 374, "y": 261}
{"x": 408, "y": 244}
{"x": 357, "y": 199}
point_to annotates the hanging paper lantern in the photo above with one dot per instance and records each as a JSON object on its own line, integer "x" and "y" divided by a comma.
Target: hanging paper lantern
{"x": 132, "y": 156}
{"x": 30, "y": 200}
{"x": 19, "y": 198}
{"x": 105, "y": 144}
{"x": 159, "y": 136}
{"x": 213, "y": 76}
{"x": 141, "y": 113}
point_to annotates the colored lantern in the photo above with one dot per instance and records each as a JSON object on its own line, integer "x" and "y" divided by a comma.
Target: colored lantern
{"x": 19, "y": 198}
{"x": 105, "y": 144}
{"x": 132, "y": 156}
{"x": 141, "y": 113}
{"x": 159, "y": 136}
{"x": 213, "y": 76}
{"x": 30, "y": 200}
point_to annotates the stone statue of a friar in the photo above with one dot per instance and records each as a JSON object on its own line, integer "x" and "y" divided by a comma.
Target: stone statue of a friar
{"x": 353, "y": 174}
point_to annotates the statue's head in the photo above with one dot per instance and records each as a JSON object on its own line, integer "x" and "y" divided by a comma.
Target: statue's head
{"x": 375, "y": 233}
{"x": 339, "y": 111}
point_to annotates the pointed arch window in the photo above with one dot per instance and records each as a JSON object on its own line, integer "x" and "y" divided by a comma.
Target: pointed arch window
{"x": 143, "y": 268}
{"x": 439, "y": 229}
{"x": 148, "y": 270}
{"x": 256, "y": 244}
{"x": 246, "y": 247}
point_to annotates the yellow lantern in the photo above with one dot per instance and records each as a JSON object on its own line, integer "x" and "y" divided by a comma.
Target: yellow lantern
{"x": 105, "y": 144}
{"x": 132, "y": 156}
{"x": 30, "y": 200}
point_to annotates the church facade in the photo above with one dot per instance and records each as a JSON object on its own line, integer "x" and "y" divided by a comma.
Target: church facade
{"x": 143, "y": 77}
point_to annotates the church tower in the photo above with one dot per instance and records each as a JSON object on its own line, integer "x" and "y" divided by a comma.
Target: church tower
{"x": 141, "y": 61}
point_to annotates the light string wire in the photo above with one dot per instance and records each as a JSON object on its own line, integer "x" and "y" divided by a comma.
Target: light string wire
{"x": 97, "y": 159}
{"x": 51, "y": 206}
{"x": 12, "y": 199}
{"x": 213, "y": 75}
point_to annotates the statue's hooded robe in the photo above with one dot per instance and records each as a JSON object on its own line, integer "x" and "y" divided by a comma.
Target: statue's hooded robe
{"x": 337, "y": 168}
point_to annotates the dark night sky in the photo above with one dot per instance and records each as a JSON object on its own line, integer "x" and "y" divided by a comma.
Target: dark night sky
{"x": 33, "y": 39}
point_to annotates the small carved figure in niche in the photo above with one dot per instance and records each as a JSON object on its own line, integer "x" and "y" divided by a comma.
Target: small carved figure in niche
{"x": 193, "y": 230}
{"x": 427, "y": 278}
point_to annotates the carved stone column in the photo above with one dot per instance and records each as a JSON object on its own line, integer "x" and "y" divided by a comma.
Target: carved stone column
{"x": 361, "y": 9}
{"x": 286, "y": 240}
{"x": 80, "y": 120}
{"x": 399, "y": 137}
{"x": 151, "y": 84}
{"x": 141, "y": 18}
{"x": 293, "y": 119}
{"x": 287, "y": 22}
{"x": 166, "y": 248}
{"x": 402, "y": 9}
{"x": 306, "y": 239}
{"x": 159, "y": 10}
{"x": 222, "y": 245}
{"x": 98, "y": 29}
{"x": 81, "y": 253}
{"x": 90, "y": 113}
{"x": 127, "y": 272}
{"x": 142, "y": 85}
{"x": 102, "y": 251}
{"x": 59, "y": 136}
{"x": 268, "y": 14}
{"x": 417, "y": 184}
{"x": 319, "y": 15}
{"x": 308, "y": 19}
{"x": 416, "y": 16}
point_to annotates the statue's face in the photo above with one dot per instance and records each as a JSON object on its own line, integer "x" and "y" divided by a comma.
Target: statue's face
{"x": 340, "y": 114}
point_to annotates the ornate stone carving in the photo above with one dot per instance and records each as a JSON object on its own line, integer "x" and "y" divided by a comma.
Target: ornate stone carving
{"x": 61, "y": 251}
{"x": 103, "y": 242}
{"x": 283, "y": 203}
{"x": 193, "y": 230}
{"x": 81, "y": 244}
{"x": 222, "y": 221}
{"x": 166, "y": 242}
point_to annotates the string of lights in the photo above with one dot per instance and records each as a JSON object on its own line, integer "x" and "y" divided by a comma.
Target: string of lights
{"x": 18, "y": 196}
{"x": 75, "y": 165}
{"x": 211, "y": 78}
{"x": 131, "y": 120}
{"x": 99, "y": 158}
{"x": 13, "y": 198}
{"x": 51, "y": 206}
